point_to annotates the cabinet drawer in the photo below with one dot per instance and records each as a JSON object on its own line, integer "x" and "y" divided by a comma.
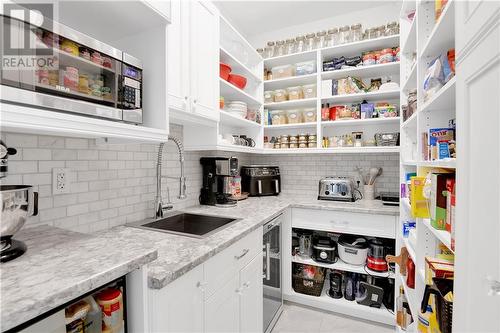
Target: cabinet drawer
{"x": 344, "y": 222}
{"x": 229, "y": 262}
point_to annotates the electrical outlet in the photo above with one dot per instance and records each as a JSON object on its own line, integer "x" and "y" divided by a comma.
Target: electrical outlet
{"x": 60, "y": 181}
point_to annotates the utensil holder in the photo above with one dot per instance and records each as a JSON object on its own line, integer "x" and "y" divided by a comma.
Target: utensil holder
{"x": 369, "y": 192}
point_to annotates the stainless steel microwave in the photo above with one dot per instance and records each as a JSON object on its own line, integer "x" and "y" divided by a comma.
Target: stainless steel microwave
{"x": 54, "y": 67}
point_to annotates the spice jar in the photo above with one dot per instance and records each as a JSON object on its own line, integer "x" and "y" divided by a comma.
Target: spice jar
{"x": 321, "y": 39}
{"x": 392, "y": 29}
{"x": 279, "y": 49}
{"x": 309, "y": 42}
{"x": 290, "y": 46}
{"x": 299, "y": 44}
{"x": 334, "y": 36}
{"x": 356, "y": 33}
{"x": 260, "y": 51}
{"x": 344, "y": 35}
{"x": 269, "y": 50}
{"x": 381, "y": 31}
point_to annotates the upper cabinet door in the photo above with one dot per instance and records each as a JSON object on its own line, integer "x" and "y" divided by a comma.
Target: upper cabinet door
{"x": 204, "y": 58}
{"x": 477, "y": 261}
{"x": 177, "y": 32}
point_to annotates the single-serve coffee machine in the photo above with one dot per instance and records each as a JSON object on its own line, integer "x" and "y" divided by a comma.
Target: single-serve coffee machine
{"x": 218, "y": 173}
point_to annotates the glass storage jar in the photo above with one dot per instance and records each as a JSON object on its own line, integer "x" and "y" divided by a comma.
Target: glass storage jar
{"x": 280, "y": 95}
{"x": 321, "y": 39}
{"x": 309, "y": 90}
{"x": 294, "y": 116}
{"x": 333, "y": 36}
{"x": 268, "y": 96}
{"x": 356, "y": 33}
{"x": 269, "y": 50}
{"x": 279, "y": 49}
{"x": 309, "y": 42}
{"x": 373, "y": 33}
{"x": 344, "y": 35}
{"x": 392, "y": 29}
{"x": 294, "y": 93}
{"x": 290, "y": 46}
{"x": 381, "y": 31}
{"x": 260, "y": 51}
{"x": 300, "y": 43}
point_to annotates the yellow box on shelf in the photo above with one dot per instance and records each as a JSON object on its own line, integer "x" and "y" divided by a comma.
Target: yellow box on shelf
{"x": 419, "y": 204}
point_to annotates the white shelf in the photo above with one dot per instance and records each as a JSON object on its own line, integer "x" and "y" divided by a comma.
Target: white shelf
{"x": 337, "y": 150}
{"x": 342, "y": 266}
{"x": 299, "y": 125}
{"x": 358, "y": 47}
{"x": 369, "y": 96}
{"x": 442, "y": 36}
{"x": 443, "y": 235}
{"x": 297, "y": 103}
{"x": 343, "y": 306}
{"x": 230, "y": 119}
{"x": 450, "y": 163}
{"x": 290, "y": 81}
{"x": 362, "y": 122}
{"x": 391, "y": 68}
{"x": 410, "y": 44}
{"x": 237, "y": 66}
{"x": 225, "y": 147}
{"x": 22, "y": 119}
{"x": 406, "y": 204}
{"x": 289, "y": 59}
{"x": 444, "y": 99}
{"x": 232, "y": 93}
{"x": 411, "y": 296}
{"x": 410, "y": 122}
{"x": 411, "y": 81}
{"x": 411, "y": 250}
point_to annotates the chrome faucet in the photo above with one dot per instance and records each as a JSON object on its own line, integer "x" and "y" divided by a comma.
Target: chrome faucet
{"x": 160, "y": 207}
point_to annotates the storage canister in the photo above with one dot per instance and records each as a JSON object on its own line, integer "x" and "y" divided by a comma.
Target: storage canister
{"x": 310, "y": 115}
{"x": 321, "y": 39}
{"x": 269, "y": 50}
{"x": 268, "y": 96}
{"x": 305, "y": 67}
{"x": 277, "y": 117}
{"x": 333, "y": 37}
{"x": 294, "y": 116}
{"x": 280, "y": 95}
{"x": 279, "y": 49}
{"x": 294, "y": 93}
{"x": 111, "y": 303}
{"x": 356, "y": 33}
{"x": 282, "y": 71}
{"x": 309, "y": 42}
{"x": 290, "y": 46}
{"x": 309, "y": 90}
{"x": 344, "y": 35}
{"x": 299, "y": 44}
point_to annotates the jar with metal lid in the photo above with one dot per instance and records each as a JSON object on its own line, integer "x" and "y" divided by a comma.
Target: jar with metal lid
{"x": 392, "y": 29}
{"x": 333, "y": 36}
{"x": 279, "y": 49}
{"x": 290, "y": 46}
{"x": 260, "y": 51}
{"x": 373, "y": 33}
{"x": 294, "y": 138}
{"x": 269, "y": 50}
{"x": 312, "y": 144}
{"x": 344, "y": 35}
{"x": 299, "y": 44}
{"x": 302, "y": 144}
{"x": 302, "y": 137}
{"x": 312, "y": 137}
{"x": 381, "y": 31}
{"x": 356, "y": 33}
{"x": 321, "y": 39}
{"x": 309, "y": 42}
{"x": 284, "y": 138}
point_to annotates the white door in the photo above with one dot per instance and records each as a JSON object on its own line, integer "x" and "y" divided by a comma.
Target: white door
{"x": 222, "y": 309}
{"x": 477, "y": 302}
{"x": 178, "y": 307}
{"x": 177, "y": 35}
{"x": 204, "y": 58}
{"x": 251, "y": 298}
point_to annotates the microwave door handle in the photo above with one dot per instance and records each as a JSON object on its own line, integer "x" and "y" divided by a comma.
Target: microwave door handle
{"x": 277, "y": 186}
{"x": 259, "y": 186}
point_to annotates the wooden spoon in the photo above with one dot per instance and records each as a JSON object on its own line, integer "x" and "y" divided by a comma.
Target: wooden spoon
{"x": 401, "y": 260}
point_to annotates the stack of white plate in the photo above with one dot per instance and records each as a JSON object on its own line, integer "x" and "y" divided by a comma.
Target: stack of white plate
{"x": 237, "y": 108}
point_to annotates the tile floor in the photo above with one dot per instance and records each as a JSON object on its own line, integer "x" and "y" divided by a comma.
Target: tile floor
{"x": 296, "y": 318}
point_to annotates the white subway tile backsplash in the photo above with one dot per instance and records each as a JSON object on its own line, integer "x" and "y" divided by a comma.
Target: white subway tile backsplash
{"x": 78, "y": 209}
{"x": 33, "y": 154}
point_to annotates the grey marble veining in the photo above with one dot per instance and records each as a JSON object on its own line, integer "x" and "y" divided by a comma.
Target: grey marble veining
{"x": 61, "y": 265}
{"x": 179, "y": 254}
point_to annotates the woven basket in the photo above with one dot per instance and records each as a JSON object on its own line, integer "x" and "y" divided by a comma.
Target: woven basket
{"x": 312, "y": 287}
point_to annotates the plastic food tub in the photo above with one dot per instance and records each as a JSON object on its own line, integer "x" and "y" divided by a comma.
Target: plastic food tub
{"x": 224, "y": 71}
{"x": 237, "y": 80}
{"x": 278, "y": 117}
{"x": 309, "y": 90}
{"x": 305, "y": 68}
{"x": 280, "y": 95}
{"x": 268, "y": 96}
{"x": 309, "y": 115}
{"x": 294, "y": 116}
{"x": 294, "y": 93}
{"x": 282, "y": 71}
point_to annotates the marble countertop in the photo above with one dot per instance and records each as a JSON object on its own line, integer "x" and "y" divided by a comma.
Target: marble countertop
{"x": 61, "y": 265}
{"x": 179, "y": 254}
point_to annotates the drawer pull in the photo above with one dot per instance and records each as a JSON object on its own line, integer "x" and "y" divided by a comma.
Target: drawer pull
{"x": 245, "y": 251}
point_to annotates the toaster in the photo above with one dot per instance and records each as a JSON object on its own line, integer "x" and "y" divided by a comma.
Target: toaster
{"x": 336, "y": 189}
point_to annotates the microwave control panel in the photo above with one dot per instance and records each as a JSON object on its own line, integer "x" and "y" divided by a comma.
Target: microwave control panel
{"x": 131, "y": 87}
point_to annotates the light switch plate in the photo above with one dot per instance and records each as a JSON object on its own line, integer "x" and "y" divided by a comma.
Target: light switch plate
{"x": 60, "y": 181}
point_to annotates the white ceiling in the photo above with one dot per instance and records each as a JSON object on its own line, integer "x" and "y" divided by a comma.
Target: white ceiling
{"x": 258, "y": 16}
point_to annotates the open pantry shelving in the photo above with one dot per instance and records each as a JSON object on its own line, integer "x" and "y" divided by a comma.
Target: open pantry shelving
{"x": 423, "y": 39}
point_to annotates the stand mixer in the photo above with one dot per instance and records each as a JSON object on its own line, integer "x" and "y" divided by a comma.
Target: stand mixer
{"x": 19, "y": 202}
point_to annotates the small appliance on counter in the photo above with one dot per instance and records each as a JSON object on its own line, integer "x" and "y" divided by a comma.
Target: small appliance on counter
{"x": 19, "y": 202}
{"x": 353, "y": 249}
{"x": 336, "y": 189}
{"x": 261, "y": 180}
{"x": 218, "y": 174}
{"x": 389, "y": 198}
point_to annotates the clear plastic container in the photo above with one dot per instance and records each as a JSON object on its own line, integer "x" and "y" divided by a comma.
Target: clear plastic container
{"x": 309, "y": 42}
{"x": 344, "y": 35}
{"x": 305, "y": 67}
{"x": 294, "y": 93}
{"x": 294, "y": 116}
{"x": 283, "y": 71}
{"x": 268, "y": 96}
{"x": 309, "y": 115}
{"x": 278, "y": 117}
{"x": 309, "y": 90}
{"x": 299, "y": 44}
{"x": 356, "y": 33}
{"x": 280, "y": 95}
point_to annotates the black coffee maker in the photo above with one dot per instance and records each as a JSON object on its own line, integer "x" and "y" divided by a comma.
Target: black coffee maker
{"x": 218, "y": 174}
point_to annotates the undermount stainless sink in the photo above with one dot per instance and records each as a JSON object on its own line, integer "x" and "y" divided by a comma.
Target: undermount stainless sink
{"x": 185, "y": 224}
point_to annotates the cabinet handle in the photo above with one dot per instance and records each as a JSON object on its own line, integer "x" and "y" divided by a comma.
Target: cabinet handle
{"x": 201, "y": 285}
{"x": 245, "y": 251}
{"x": 246, "y": 284}
{"x": 239, "y": 291}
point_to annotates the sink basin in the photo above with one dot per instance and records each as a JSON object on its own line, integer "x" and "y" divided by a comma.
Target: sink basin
{"x": 186, "y": 224}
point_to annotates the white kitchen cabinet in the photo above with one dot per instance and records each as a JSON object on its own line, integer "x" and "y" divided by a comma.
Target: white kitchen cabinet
{"x": 178, "y": 307}
{"x": 251, "y": 297}
{"x": 193, "y": 45}
{"x": 221, "y": 310}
